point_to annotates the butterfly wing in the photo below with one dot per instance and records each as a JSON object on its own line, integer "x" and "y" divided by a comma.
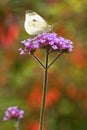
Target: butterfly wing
{"x": 35, "y": 24}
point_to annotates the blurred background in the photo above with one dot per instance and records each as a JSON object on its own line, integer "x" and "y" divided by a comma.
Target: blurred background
{"x": 21, "y": 77}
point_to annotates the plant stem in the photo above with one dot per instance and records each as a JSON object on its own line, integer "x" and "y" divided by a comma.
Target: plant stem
{"x": 55, "y": 59}
{"x": 17, "y": 125}
{"x": 46, "y": 66}
{"x": 37, "y": 59}
{"x": 44, "y": 91}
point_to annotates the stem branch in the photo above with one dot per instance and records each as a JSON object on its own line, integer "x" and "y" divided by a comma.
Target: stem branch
{"x": 37, "y": 59}
{"x": 46, "y": 66}
{"x": 55, "y": 59}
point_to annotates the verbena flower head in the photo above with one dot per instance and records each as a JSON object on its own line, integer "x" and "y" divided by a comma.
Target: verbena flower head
{"x": 46, "y": 40}
{"x": 13, "y": 113}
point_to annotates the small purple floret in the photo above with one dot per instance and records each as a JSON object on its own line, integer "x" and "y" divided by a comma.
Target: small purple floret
{"x": 46, "y": 40}
{"x": 13, "y": 113}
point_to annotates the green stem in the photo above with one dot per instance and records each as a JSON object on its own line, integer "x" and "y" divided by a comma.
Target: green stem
{"x": 17, "y": 125}
{"x": 44, "y": 92}
{"x": 55, "y": 59}
{"x": 46, "y": 66}
{"x": 39, "y": 61}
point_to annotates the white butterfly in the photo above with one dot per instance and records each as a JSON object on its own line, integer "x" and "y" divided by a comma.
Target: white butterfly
{"x": 35, "y": 24}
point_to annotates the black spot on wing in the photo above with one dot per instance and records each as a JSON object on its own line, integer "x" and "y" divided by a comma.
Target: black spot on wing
{"x": 34, "y": 20}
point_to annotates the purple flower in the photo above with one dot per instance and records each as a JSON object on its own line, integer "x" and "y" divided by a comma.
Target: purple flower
{"x": 46, "y": 40}
{"x": 13, "y": 113}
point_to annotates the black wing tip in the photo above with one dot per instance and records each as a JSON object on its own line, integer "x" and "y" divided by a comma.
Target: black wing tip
{"x": 29, "y": 11}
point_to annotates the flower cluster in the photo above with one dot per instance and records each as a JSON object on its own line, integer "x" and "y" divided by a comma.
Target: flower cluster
{"x": 46, "y": 40}
{"x": 13, "y": 113}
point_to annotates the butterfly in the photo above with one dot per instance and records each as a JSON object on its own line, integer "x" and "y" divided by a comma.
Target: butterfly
{"x": 35, "y": 24}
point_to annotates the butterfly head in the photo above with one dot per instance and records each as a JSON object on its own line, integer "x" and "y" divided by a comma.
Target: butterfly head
{"x": 50, "y": 28}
